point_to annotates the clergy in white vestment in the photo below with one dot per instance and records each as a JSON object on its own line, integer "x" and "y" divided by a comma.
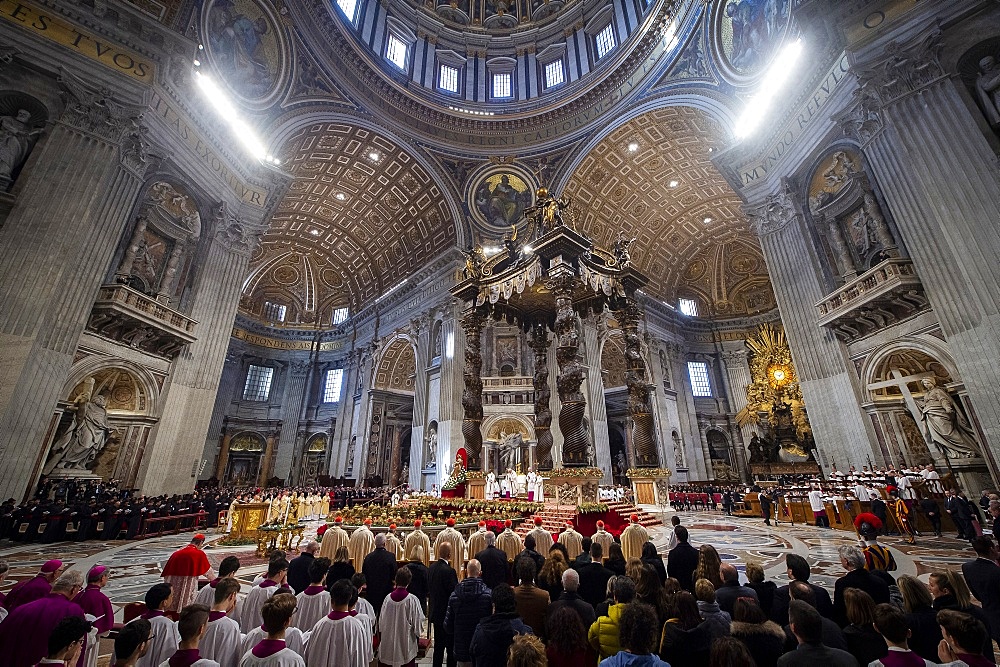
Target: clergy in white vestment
{"x": 457, "y": 542}
{"x": 324, "y": 504}
{"x": 274, "y": 651}
{"x": 314, "y": 600}
{"x": 191, "y": 626}
{"x": 334, "y": 538}
{"x": 477, "y": 541}
{"x": 572, "y": 540}
{"x": 492, "y": 489}
{"x": 361, "y": 544}
{"x": 509, "y": 542}
{"x": 536, "y": 486}
{"x": 633, "y": 537}
{"x": 399, "y": 623}
{"x": 417, "y": 537}
{"x": 163, "y": 633}
{"x": 223, "y": 639}
{"x": 603, "y": 537}
{"x": 340, "y": 639}
{"x": 511, "y": 479}
{"x": 273, "y": 582}
{"x": 392, "y": 543}
{"x": 543, "y": 538}
{"x": 227, "y": 570}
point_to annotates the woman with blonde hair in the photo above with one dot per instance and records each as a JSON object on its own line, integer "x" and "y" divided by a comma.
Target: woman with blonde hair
{"x": 550, "y": 578}
{"x": 717, "y": 621}
{"x": 526, "y": 651}
{"x": 341, "y": 567}
{"x": 950, "y": 591}
{"x": 863, "y": 641}
{"x": 920, "y": 617}
{"x": 633, "y": 566}
{"x": 709, "y": 565}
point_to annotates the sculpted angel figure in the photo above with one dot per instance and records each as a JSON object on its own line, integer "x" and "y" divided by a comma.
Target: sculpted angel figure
{"x": 946, "y": 426}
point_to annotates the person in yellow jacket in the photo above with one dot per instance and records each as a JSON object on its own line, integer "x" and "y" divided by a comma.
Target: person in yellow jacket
{"x": 603, "y": 634}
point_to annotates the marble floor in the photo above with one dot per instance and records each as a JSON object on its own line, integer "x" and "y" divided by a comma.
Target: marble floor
{"x": 136, "y": 566}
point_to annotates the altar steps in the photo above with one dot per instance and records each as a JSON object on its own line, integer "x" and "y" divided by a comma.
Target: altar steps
{"x": 625, "y": 510}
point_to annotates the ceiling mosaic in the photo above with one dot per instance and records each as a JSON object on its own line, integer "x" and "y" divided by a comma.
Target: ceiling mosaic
{"x": 360, "y": 215}
{"x": 653, "y": 179}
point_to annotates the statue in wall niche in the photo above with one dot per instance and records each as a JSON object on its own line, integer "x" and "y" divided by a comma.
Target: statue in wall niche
{"x": 16, "y": 139}
{"x": 79, "y": 446}
{"x": 988, "y": 89}
{"x": 432, "y": 446}
{"x": 510, "y": 450}
{"x": 944, "y": 423}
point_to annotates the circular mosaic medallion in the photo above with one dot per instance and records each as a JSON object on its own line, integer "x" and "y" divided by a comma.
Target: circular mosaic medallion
{"x": 498, "y": 196}
{"x": 747, "y": 33}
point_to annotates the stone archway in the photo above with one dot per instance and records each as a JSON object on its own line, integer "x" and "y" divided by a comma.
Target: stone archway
{"x": 246, "y": 450}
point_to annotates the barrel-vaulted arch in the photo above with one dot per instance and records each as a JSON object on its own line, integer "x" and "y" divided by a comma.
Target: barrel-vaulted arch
{"x": 364, "y": 210}
{"x": 652, "y": 177}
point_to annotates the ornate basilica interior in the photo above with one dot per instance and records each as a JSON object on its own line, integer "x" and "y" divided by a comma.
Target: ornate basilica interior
{"x": 336, "y": 241}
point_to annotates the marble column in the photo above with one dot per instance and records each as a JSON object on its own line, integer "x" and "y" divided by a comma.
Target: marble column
{"x": 71, "y": 208}
{"x": 364, "y": 398}
{"x": 223, "y": 458}
{"x": 178, "y": 439}
{"x": 267, "y": 461}
{"x": 472, "y": 397}
{"x": 341, "y": 437}
{"x": 543, "y": 392}
{"x": 643, "y": 441}
{"x": 831, "y": 395}
{"x": 738, "y": 377}
{"x": 420, "y": 330}
{"x": 292, "y": 414}
{"x": 939, "y": 176}
{"x": 450, "y": 412}
{"x": 577, "y": 444}
{"x": 594, "y": 391}
{"x": 229, "y": 385}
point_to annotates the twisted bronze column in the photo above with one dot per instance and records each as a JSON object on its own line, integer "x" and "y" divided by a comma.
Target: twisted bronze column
{"x": 576, "y": 440}
{"x": 540, "y": 381}
{"x": 472, "y": 397}
{"x": 643, "y": 432}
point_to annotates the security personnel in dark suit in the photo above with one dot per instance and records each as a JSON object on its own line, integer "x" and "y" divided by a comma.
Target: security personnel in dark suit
{"x": 682, "y": 560}
{"x": 441, "y": 582}
{"x": 983, "y": 577}
{"x": 493, "y": 561}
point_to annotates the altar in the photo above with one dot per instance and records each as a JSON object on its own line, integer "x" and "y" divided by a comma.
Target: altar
{"x": 245, "y": 518}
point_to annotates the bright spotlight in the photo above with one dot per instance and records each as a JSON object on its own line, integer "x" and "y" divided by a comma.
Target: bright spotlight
{"x": 775, "y": 79}
{"x": 220, "y": 101}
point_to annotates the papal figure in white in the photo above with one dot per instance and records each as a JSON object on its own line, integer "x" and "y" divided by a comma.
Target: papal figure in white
{"x": 492, "y": 486}
{"x": 536, "y": 486}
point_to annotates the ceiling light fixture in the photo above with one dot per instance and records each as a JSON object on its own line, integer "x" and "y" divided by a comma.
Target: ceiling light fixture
{"x": 373, "y": 156}
{"x": 674, "y": 184}
{"x": 220, "y": 101}
{"x": 707, "y": 220}
{"x": 633, "y": 147}
{"x": 775, "y": 79}
{"x": 340, "y": 196}
{"x": 314, "y": 232}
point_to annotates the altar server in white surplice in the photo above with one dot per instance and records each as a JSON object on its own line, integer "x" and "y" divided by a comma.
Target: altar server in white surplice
{"x": 273, "y": 582}
{"x": 227, "y": 569}
{"x": 543, "y": 538}
{"x": 164, "y": 637}
{"x": 223, "y": 639}
{"x": 361, "y": 544}
{"x": 400, "y": 623}
{"x": 477, "y": 541}
{"x": 294, "y": 639}
{"x": 273, "y": 651}
{"x": 334, "y": 538}
{"x": 340, "y": 639}
{"x": 314, "y": 601}
{"x": 418, "y": 537}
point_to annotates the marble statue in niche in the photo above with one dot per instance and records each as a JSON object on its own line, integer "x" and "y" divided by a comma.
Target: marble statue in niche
{"x": 17, "y": 136}
{"x": 432, "y": 445}
{"x": 79, "y": 446}
{"x": 945, "y": 424}
{"x": 988, "y": 89}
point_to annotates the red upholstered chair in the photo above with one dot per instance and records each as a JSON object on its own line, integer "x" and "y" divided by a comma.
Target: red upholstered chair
{"x": 133, "y": 610}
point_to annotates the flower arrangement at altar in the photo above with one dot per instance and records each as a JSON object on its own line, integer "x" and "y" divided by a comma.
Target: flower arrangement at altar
{"x": 475, "y": 474}
{"x": 436, "y": 511}
{"x": 592, "y": 508}
{"x": 648, "y": 473}
{"x": 574, "y": 473}
{"x": 457, "y": 478}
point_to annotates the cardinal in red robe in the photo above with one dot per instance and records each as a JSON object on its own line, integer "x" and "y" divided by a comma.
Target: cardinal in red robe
{"x": 183, "y": 569}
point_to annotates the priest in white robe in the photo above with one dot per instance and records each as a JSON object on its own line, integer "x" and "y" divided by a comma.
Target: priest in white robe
{"x": 361, "y": 544}
{"x": 454, "y": 538}
{"x": 418, "y": 537}
{"x": 340, "y": 639}
{"x": 535, "y": 483}
{"x": 392, "y": 543}
{"x": 477, "y": 541}
{"x": 633, "y": 537}
{"x": 509, "y": 542}
{"x": 603, "y": 537}
{"x": 572, "y": 540}
{"x": 492, "y": 490}
{"x": 223, "y": 639}
{"x": 334, "y": 538}
{"x": 314, "y": 600}
{"x": 400, "y": 623}
{"x": 543, "y": 538}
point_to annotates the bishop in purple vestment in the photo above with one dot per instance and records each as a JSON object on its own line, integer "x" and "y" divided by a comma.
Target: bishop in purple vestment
{"x": 25, "y": 633}
{"x": 34, "y": 588}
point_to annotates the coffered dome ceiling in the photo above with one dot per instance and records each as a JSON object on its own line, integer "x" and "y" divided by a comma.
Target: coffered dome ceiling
{"x": 653, "y": 179}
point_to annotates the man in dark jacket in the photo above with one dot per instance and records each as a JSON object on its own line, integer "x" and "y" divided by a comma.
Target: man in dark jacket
{"x": 831, "y": 633}
{"x": 731, "y": 589}
{"x": 529, "y": 551}
{"x": 930, "y": 509}
{"x": 857, "y": 576}
{"x": 584, "y": 558}
{"x": 593, "y": 578}
{"x": 494, "y": 634}
{"x": 983, "y": 577}
{"x": 298, "y": 568}
{"x": 960, "y": 514}
{"x": 493, "y": 561}
{"x": 798, "y": 570}
{"x": 532, "y": 602}
{"x": 807, "y": 625}
{"x": 470, "y": 603}
{"x": 379, "y": 568}
{"x": 682, "y": 560}
{"x": 441, "y": 582}
{"x": 571, "y": 598}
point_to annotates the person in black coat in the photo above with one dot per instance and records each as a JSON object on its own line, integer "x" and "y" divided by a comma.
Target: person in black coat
{"x": 857, "y": 576}
{"x": 571, "y": 598}
{"x": 655, "y": 560}
{"x": 616, "y": 559}
{"x": 682, "y": 560}
{"x": 493, "y": 561}
{"x": 470, "y": 603}
{"x": 298, "y": 567}
{"x": 931, "y": 510}
{"x": 920, "y": 617}
{"x": 594, "y": 577}
{"x": 960, "y": 515}
{"x": 379, "y": 568}
{"x": 951, "y": 592}
{"x": 764, "y": 589}
{"x": 529, "y": 551}
{"x": 441, "y": 582}
{"x": 983, "y": 577}
{"x": 494, "y": 634}
{"x": 418, "y": 586}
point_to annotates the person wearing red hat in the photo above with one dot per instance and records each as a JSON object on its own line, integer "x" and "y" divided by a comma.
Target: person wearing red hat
{"x": 602, "y": 537}
{"x": 477, "y": 541}
{"x": 451, "y": 536}
{"x": 572, "y": 540}
{"x": 418, "y": 538}
{"x": 334, "y": 538}
{"x": 361, "y": 544}
{"x": 93, "y": 601}
{"x": 543, "y": 538}
{"x": 35, "y": 588}
{"x": 393, "y": 544}
{"x": 183, "y": 569}
{"x": 509, "y": 542}
{"x": 633, "y": 537}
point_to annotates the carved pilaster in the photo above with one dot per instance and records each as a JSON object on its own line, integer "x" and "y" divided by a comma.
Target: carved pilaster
{"x": 236, "y": 235}
{"x": 777, "y": 211}
{"x": 576, "y": 440}
{"x": 540, "y": 382}
{"x": 472, "y": 397}
{"x": 639, "y": 409}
